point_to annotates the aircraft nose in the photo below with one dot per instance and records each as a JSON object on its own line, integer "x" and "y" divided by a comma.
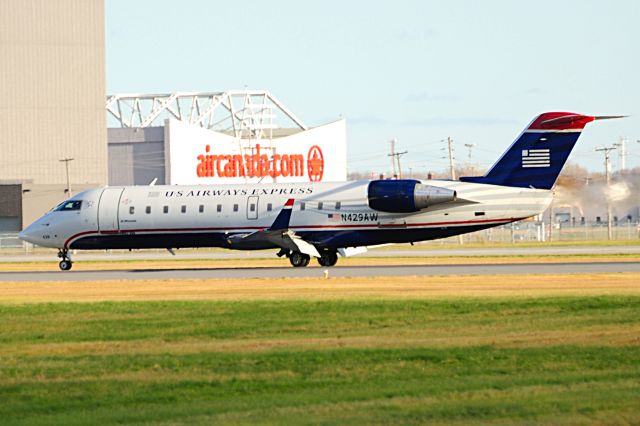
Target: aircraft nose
{"x": 28, "y": 234}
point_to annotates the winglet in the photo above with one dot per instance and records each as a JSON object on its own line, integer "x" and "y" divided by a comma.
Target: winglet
{"x": 282, "y": 221}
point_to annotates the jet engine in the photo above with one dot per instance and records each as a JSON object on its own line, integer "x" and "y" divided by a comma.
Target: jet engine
{"x": 406, "y": 195}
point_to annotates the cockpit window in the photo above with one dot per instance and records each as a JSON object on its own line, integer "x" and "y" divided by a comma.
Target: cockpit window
{"x": 68, "y": 206}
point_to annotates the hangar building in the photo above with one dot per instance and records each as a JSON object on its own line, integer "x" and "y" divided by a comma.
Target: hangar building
{"x": 236, "y": 136}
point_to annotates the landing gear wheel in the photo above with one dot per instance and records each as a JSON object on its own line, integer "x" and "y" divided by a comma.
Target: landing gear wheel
{"x": 328, "y": 258}
{"x": 65, "y": 265}
{"x": 298, "y": 259}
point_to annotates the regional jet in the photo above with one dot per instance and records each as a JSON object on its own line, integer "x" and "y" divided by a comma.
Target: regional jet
{"x": 316, "y": 219}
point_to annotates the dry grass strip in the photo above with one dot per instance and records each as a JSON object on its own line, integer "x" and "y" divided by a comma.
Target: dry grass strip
{"x": 319, "y": 288}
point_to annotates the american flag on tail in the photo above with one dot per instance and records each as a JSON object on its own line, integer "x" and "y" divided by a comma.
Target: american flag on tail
{"x": 536, "y": 157}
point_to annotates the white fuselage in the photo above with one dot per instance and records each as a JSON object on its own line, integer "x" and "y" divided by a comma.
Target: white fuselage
{"x": 327, "y": 214}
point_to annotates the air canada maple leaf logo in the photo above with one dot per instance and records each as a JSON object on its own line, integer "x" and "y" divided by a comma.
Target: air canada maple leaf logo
{"x": 315, "y": 164}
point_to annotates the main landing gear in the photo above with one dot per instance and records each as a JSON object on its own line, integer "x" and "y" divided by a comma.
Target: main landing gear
{"x": 328, "y": 258}
{"x": 300, "y": 260}
{"x": 65, "y": 264}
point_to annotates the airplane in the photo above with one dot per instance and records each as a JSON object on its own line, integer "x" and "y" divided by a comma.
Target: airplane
{"x": 316, "y": 219}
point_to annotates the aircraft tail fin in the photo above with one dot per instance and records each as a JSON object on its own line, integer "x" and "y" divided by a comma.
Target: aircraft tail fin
{"x": 537, "y": 156}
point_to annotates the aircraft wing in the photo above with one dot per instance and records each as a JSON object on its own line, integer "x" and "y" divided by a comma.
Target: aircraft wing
{"x": 277, "y": 234}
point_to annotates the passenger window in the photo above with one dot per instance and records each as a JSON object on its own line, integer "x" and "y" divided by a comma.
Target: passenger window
{"x": 148, "y": 209}
{"x": 320, "y": 205}
{"x": 219, "y": 208}
{"x": 302, "y": 206}
{"x": 338, "y": 205}
{"x": 201, "y": 209}
{"x": 165, "y": 209}
{"x": 269, "y": 207}
{"x": 235, "y": 207}
{"x": 132, "y": 210}
{"x": 183, "y": 209}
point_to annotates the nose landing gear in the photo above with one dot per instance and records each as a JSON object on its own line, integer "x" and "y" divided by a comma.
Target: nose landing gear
{"x": 65, "y": 264}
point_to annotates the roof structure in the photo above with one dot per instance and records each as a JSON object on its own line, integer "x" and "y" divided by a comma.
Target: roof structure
{"x": 246, "y": 114}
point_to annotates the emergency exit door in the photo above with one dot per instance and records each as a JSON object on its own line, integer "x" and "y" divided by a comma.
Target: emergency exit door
{"x": 252, "y": 207}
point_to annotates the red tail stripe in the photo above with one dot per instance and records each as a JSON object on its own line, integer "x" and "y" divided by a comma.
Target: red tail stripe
{"x": 560, "y": 121}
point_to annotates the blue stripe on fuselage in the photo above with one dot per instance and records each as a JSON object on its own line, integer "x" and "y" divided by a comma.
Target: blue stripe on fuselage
{"x": 323, "y": 239}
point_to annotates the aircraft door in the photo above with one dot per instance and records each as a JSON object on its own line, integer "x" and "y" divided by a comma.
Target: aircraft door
{"x": 108, "y": 207}
{"x": 252, "y": 207}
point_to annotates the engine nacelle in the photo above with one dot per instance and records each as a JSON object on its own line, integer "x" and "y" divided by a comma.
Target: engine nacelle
{"x": 406, "y": 195}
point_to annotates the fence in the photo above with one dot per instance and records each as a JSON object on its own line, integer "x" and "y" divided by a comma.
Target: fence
{"x": 11, "y": 241}
{"x": 539, "y": 231}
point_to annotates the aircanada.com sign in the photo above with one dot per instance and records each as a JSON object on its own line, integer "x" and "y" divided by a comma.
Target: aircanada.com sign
{"x": 201, "y": 156}
{"x": 258, "y": 164}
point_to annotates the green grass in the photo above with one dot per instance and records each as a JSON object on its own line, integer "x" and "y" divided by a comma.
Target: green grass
{"x": 328, "y": 362}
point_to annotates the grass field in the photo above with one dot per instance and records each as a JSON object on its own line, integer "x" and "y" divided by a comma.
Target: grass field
{"x": 326, "y": 354}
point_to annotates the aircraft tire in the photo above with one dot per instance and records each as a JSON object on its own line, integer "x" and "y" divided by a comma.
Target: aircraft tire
{"x": 65, "y": 265}
{"x": 328, "y": 258}
{"x": 298, "y": 259}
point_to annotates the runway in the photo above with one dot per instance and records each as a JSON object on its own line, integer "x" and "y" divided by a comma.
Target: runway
{"x": 416, "y": 251}
{"x": 337, "y": 271}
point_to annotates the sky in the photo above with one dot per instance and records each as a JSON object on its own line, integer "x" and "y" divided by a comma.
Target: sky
{"x": 416, "y": 71}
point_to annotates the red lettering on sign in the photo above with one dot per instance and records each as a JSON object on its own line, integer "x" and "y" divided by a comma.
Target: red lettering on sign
{"x": 259, "y": 164}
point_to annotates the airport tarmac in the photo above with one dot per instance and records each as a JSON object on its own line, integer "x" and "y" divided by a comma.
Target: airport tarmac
{"x": 337, "y": 271}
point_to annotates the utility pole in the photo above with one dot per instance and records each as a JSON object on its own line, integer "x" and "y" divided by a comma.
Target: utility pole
{"x": 470, "y": 147}
{"x": 66, "y": 166}
{"x": 606, "y": 151}
{"x": 622, "y": 153}
{"x": 392, "y": 155}
{"x": 452, "y": 169}
{"x": 395, "y": 157}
